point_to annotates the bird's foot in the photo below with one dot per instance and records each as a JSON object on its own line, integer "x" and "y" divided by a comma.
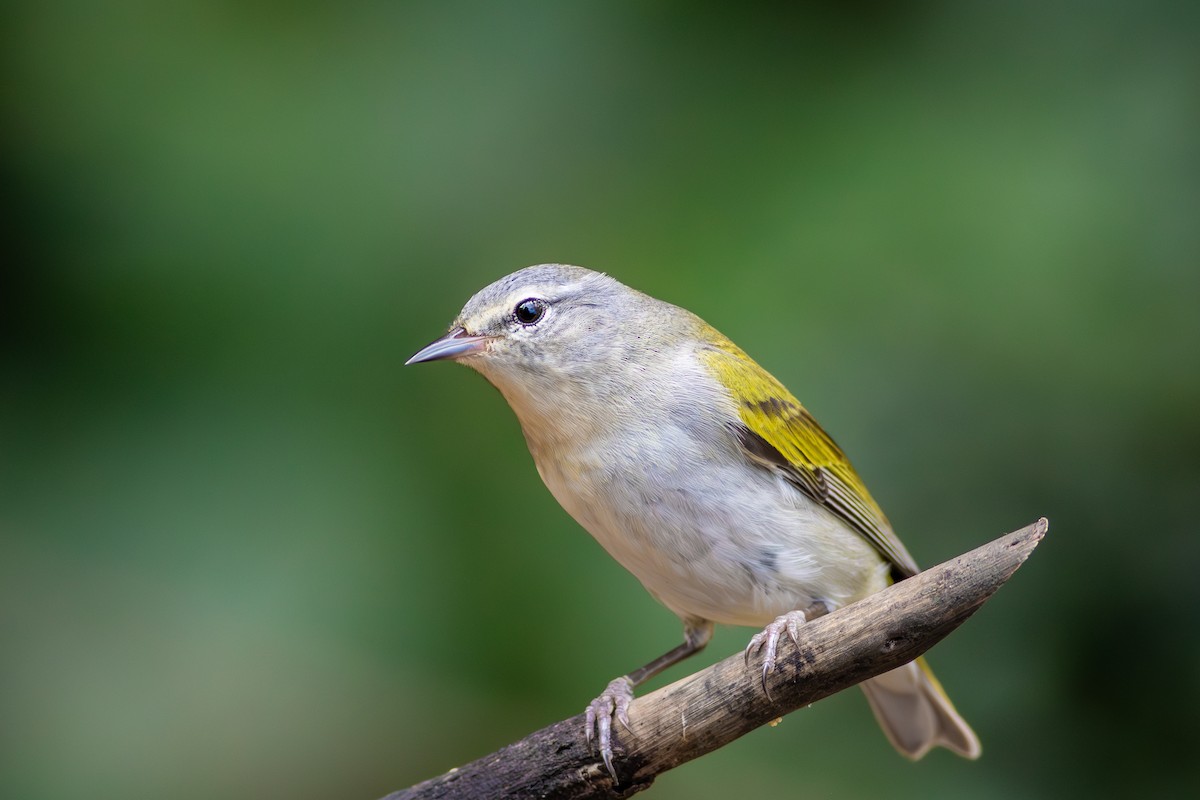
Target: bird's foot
{"x": 613, "y": 703}
{"x": 768, "y": 641}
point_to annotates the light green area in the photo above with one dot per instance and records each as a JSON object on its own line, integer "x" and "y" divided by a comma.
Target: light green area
{"x": 244, "y": 554}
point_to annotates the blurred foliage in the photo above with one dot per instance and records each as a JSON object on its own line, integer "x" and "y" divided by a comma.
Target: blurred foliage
{"x": 245, "y": 554}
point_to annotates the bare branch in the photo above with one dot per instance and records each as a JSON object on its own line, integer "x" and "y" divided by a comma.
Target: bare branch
{"x": 711, "y": 708}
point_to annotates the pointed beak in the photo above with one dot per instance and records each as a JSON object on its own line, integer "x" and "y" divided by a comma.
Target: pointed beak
{"x": 455, "y": 344}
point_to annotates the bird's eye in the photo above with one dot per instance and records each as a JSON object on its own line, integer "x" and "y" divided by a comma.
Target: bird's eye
{"x": 529, "y": 311}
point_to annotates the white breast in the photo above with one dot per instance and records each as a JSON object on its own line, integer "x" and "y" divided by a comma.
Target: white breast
{"x": 710, "y": 534}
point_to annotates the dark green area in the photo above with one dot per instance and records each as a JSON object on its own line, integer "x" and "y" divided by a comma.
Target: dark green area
{"x": 244, "y": 554}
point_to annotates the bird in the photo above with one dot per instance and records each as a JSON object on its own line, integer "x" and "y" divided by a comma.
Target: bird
{"x": 697, "y": 471}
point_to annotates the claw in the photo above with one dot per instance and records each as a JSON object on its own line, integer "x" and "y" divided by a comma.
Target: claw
{"x": 622, "y": 716}
{"x": 613, "y": 703}
{"x": 768, "y": 638}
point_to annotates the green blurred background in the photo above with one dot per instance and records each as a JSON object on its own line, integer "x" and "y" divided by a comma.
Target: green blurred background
{"x": 245, "y": 554}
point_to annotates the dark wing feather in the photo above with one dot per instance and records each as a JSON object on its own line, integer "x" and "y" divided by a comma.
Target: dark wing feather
{"x": 778, "y": 432}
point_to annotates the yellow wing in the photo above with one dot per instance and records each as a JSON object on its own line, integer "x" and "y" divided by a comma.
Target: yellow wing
{"x": 779, "y": 433}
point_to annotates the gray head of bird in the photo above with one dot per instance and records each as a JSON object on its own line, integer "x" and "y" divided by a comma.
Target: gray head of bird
{"x": 557, "y": 334}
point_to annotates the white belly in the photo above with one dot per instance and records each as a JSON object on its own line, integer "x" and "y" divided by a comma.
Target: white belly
{"x": 729, "y": 542}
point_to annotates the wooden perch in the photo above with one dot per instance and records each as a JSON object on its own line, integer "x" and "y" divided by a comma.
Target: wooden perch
{"x": 711, "y": 708}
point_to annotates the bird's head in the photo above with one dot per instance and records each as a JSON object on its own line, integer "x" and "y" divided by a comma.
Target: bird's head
{"x": 559, "y": 334}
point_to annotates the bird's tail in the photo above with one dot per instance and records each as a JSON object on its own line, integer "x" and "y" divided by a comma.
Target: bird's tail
{"x": 915, "y": 713}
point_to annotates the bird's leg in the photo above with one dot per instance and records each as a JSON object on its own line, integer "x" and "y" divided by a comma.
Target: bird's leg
{"x": 768, "y": 638}
{"x": 613, "y": 702}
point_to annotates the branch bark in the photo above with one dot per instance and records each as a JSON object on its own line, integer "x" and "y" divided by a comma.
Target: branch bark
{"x": 711, "y": 708}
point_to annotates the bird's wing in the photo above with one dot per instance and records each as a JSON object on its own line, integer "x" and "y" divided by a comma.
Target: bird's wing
{"x": 778, "y": 432}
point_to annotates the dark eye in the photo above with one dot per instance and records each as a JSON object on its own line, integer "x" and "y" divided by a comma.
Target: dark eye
{"x": 529, "y": 311}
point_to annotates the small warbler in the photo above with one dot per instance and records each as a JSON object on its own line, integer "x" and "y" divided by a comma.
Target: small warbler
{"x": 697, "y": 471}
